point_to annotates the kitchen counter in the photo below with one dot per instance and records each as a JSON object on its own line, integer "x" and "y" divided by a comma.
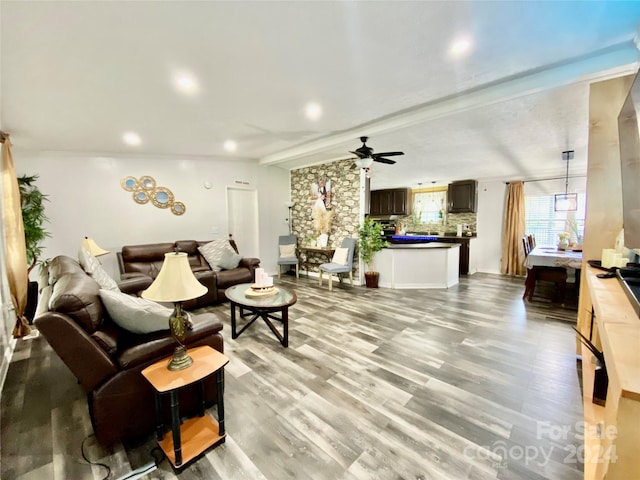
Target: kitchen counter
{"x": 418, "y": 265}
{"x": 467, "y": 261}
{"x": 421, "y": 245}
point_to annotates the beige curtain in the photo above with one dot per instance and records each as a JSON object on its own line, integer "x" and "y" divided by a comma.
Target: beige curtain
{"x": 512, "y": 262}
{"x": 15, "y": 249}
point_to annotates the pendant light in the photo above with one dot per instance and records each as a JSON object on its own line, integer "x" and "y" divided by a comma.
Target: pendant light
{"x": 566, "y": 202}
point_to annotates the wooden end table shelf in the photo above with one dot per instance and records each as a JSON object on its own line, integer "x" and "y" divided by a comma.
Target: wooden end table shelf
{"x": 194, "y": 436}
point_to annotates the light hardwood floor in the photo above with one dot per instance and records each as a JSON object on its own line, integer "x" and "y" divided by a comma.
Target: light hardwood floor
{"x": 469, "y": 382}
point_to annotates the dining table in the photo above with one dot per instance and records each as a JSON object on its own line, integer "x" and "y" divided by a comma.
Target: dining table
{"x": 550, "y": 256}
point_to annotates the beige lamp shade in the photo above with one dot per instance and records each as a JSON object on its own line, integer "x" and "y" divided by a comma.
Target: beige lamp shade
{"x": 93, "y": 248}
{"x": 175, "y": 282}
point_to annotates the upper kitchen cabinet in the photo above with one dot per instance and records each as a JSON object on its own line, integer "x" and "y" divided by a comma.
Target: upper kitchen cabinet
{"x": 462, "y": 196}
{"x": 393, "y": 201}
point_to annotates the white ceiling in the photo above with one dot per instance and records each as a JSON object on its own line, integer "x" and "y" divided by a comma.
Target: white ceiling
{"x": 76, "y": 75}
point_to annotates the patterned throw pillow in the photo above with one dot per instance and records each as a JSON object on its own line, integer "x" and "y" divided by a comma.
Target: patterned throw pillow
{"x": 214, "y": 251}
{"x": 135, "y": 314}
{"x": 288, "y": 251}
{"x": 340, "y": 256}
{"x": 92, "y": 266}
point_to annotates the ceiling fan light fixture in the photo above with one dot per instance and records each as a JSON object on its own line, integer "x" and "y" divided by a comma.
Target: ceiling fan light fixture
{"x": 364, "y": 162}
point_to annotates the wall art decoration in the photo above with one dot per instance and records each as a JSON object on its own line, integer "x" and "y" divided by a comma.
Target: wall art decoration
{"x": 145, "y": 190}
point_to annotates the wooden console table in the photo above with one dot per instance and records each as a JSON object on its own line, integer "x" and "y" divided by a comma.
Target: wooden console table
{"x": 194, "y": 436}
{"x": 307, "y": 251}
{"x": 614, "y": 456}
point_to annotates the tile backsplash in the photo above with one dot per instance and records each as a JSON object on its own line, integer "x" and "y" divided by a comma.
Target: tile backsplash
{"x": 452, "y": 220}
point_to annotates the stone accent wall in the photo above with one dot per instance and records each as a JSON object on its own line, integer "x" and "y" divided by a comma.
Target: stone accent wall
{"x": 345, "y": 203}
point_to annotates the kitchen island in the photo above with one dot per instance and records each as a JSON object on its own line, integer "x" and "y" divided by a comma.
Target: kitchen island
{"x": 418, "y": 265}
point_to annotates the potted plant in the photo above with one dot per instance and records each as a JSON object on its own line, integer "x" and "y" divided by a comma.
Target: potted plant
{"x": 33, "y": 219}
{"x": 371, "y": 241}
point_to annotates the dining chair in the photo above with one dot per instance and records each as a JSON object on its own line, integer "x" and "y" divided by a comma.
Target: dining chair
{"x": 339, "y": 266}
{"x": 288, "y": 252}
{"x": 539, "y": 273}
{"x": 532, "y": 241}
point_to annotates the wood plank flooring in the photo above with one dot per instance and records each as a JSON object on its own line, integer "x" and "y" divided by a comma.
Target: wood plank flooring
{"x": 466, "y": 383}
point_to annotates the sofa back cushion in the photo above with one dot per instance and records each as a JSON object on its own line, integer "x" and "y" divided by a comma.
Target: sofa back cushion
{"x": 146, "y": 259}
{"x": 60, "y": 266}
{"x": 77, "y": 295}
{"x": 190, "y": 247}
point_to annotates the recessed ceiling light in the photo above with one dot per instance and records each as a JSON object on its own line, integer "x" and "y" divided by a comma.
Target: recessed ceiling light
{"x": 186, "y": 83}
{"x": 313, "y": 111}
{"x": 459, "y": 47}
{"x": 230, "y": 146}
{"x": 131, "y": 138}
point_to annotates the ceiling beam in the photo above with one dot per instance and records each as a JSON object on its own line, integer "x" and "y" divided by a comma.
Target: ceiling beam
{"x": 614, "y": 61}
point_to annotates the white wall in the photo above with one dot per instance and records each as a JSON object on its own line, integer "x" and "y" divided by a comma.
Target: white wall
{"x": 86, "y": 199}
{"x": 491, "y": 197}
{"x": 488, "y": 246}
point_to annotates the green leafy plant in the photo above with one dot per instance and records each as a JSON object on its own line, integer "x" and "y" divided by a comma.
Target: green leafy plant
{"x": 33, "y": 218}
{"x": 371, "y": 240}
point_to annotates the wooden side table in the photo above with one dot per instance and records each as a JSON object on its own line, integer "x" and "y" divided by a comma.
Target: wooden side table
{"x": 194, "y": 436}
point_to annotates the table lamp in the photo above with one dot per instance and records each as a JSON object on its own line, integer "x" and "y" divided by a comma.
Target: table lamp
{"x": 92, "y": 247}
{"x": 176, "y": 283}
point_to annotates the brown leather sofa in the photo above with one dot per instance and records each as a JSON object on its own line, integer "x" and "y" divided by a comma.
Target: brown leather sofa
{"x": 140, "y": 264}
{"x": 107, "y": 360}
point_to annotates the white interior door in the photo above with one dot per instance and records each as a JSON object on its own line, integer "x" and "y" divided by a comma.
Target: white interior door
{"x": 242, "y": 215}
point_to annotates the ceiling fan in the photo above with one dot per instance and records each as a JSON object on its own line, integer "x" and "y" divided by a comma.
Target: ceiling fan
{"x": 365, "y": 155}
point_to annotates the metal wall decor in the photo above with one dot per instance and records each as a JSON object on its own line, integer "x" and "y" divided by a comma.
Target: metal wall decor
{"x": 144, "y": 190}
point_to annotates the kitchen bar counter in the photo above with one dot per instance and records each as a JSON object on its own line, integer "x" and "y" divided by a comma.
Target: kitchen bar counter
{"x": 418, "y": 265}
{"x": 467, "y": 264}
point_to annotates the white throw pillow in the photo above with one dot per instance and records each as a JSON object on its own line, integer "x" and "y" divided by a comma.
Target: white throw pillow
{"x": 92, "y": 266}
{"x": 135, "y": 314}
{"x": 340, "y": 256}
{"x": 288, "y": 251}
{"x": 213, "y": 252}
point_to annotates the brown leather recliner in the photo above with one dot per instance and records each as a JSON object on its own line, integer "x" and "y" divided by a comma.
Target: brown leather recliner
{"x": 140, "y": 264}
{"x": 107, "y": 360}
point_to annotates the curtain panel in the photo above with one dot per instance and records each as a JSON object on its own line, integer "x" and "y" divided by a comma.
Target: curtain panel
{"x": 512, "y": 262}
{"x": 14, "y": 241}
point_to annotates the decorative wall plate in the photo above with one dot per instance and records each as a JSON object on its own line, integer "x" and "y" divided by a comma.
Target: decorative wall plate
{"x": 129, "y": 183}
{"x": 145, "y": 189}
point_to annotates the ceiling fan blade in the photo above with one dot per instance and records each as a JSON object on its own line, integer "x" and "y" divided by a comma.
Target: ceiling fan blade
{"x": 383, "y": 160}
{"x": 358, "y": 154}
{"x": 388, "y": 154}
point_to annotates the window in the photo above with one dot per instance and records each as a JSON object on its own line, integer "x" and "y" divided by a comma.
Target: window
{"x": 546, "y": 224}
{"x": 429, "y": 205}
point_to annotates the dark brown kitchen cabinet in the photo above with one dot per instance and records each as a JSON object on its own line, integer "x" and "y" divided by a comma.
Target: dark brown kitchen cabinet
{"x": 462, "y": 196}
{"x": 393, "y": 201}
{"x": 464, "y": 251}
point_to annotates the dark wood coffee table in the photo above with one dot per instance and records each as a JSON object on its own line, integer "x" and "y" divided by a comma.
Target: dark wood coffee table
{"x": 261, "y": 307}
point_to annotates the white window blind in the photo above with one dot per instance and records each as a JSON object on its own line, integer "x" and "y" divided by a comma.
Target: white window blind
{"x": 546, "y": 224}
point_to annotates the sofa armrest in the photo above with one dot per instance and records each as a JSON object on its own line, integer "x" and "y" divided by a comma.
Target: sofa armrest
{"x": 143, "y": 349}
{"x": 135, "y": 284}
{"x": 90, "y": 364}
{"x": 248, "y": 262}
{"x": 251, "y": 264}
